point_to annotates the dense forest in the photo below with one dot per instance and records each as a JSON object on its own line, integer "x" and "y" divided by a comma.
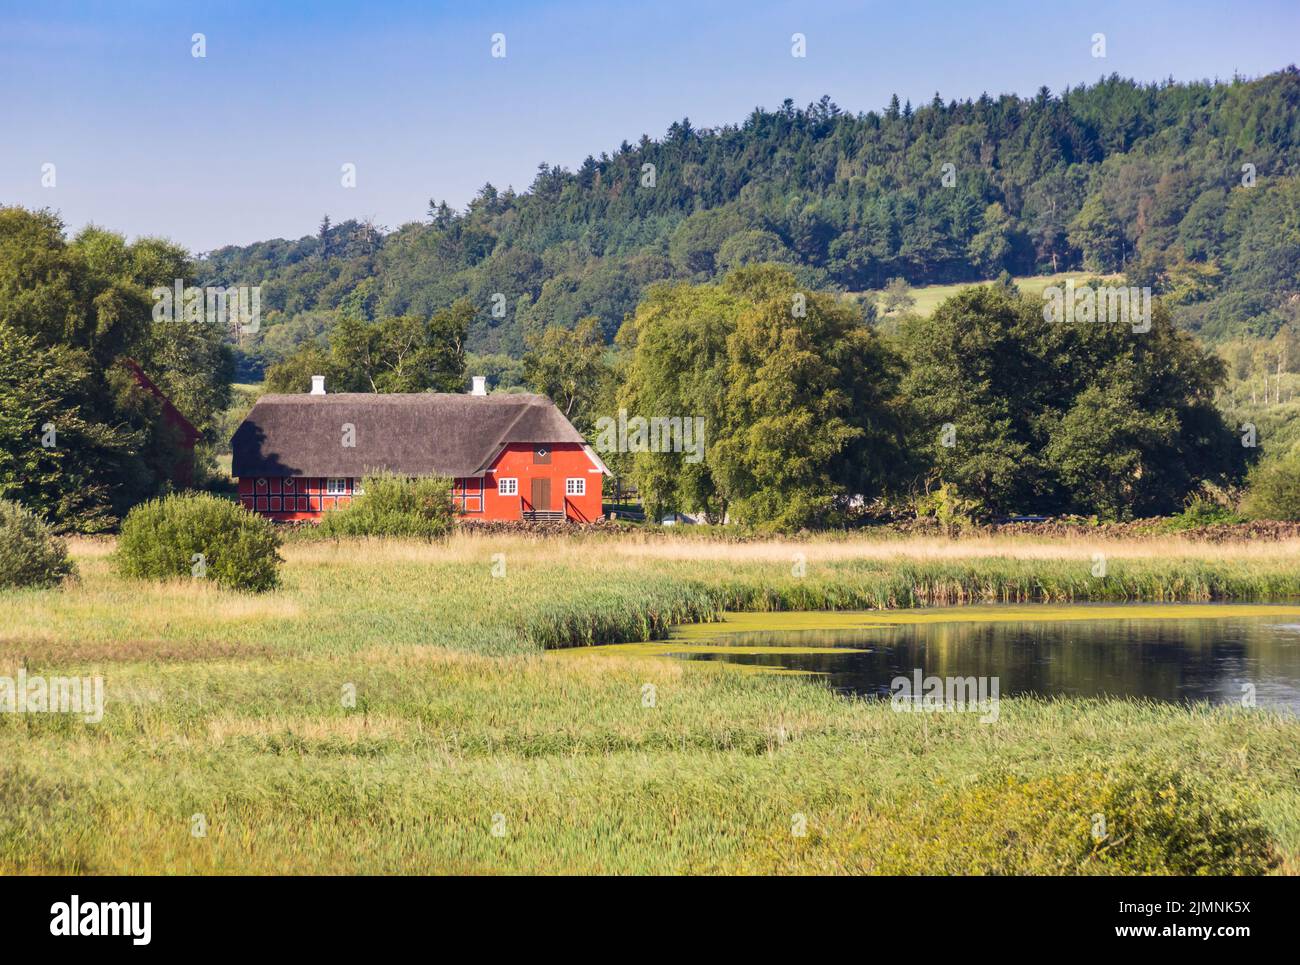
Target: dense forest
{"x": 1191, "y": 188}
{"x": 705, "y": 275}
{"x": 81, "y": 438}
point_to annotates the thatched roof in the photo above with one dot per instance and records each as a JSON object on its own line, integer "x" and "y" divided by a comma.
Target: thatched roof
{"x": 416, "y": 434}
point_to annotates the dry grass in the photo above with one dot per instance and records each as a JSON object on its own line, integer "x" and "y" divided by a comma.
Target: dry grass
{"x": 472, "y": 549}
{"x": 977, "y": 548}
{"x": 468, "y": 547}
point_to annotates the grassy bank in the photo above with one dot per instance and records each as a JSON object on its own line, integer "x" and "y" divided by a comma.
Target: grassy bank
{"x": 231, "y": 707}
{"x": 585, "y": 777}
{"x": 344, "y": 597}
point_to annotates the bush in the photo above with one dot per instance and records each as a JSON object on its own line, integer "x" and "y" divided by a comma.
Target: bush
{"x": 395, "y": 506}
{"x": 1198, "y": 512}
{"x": 1124, "y": 821}
{"x": 30, "y": 554}
{"x": 1273, "y": 490}
{"x": 953, "y": 512}
{"x": 199, "y": 535}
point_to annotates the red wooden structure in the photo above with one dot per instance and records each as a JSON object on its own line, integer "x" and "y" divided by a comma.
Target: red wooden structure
{"x": 509, "y": 456}
{"x": 181, "y": 472}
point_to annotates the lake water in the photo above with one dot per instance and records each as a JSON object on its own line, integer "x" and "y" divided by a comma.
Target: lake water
{"x": 1167, "y": 652}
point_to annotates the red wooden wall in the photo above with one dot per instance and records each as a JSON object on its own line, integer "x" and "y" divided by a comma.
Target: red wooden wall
{"x": 294, "y": 499}
{"x": 519, "y": 462}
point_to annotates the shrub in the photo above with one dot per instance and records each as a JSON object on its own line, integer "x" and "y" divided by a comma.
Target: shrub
{"x": 1127, "y": 820}
{"x": 30, "y": 554}
{"x": 1198, "y": 512}
{"x": 395, "y": 506}
{"x": 199, "y": 535}
{"x": 1273, "y": 490}
{"x": 953, "y": 512}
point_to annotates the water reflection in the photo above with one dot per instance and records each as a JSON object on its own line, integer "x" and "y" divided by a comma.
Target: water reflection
{"x": 1168, "y": 659}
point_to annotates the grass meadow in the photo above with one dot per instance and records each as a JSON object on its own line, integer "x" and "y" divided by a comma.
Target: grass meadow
{"x": 930, "y": 297}
{"x": 469, "y": 748}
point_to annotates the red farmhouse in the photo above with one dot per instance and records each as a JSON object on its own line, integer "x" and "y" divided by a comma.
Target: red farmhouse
{"x": 510, "y": 456}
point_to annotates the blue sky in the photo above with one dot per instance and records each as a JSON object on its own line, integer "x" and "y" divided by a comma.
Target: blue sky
{"x": 247, "y": 143}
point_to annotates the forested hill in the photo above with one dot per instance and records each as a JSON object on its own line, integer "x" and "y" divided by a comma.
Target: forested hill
{"x": 1118, "y": 176}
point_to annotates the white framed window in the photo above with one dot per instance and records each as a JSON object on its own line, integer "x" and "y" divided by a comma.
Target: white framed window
{"x": 508, "y": 487}
{"x": 357, "y": 488}
{"x": 575, "y": 487}
{"x": 335, "y": 487}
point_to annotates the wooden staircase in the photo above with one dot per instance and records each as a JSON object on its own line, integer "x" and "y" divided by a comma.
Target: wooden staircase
{"x": 544, "y": 515}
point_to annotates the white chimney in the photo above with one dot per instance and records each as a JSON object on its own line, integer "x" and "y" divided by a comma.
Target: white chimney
{"x": 318, "y": 385}
{"x": 480, "y": 385}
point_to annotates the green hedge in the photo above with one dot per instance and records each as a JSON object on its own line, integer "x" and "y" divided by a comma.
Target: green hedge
{"x": 202, "y": 537}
